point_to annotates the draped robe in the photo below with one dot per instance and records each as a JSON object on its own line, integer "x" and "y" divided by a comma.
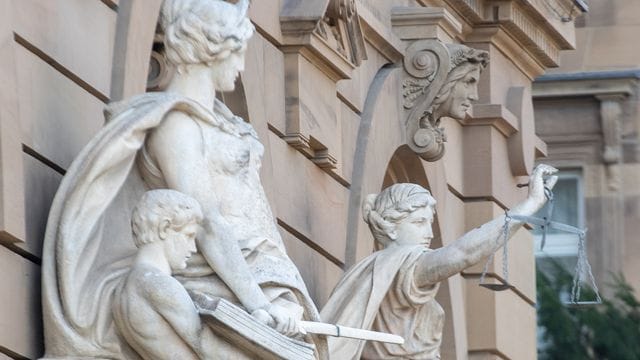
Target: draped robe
{"x": 88, "y": 245}
{"x": 379, "y": 293}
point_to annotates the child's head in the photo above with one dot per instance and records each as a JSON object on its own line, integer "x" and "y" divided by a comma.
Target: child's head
{"x": 169, "y": 216}
{"x": 400, "y": 213}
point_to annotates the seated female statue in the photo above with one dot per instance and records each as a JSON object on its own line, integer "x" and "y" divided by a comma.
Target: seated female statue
{"x": 181, "y": 139}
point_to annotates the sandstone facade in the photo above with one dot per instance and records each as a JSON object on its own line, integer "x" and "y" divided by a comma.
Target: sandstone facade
{"x": 322, "y": 87}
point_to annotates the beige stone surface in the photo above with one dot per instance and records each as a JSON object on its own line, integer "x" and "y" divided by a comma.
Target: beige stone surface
{"x": 492, "y": 320}
{"x": 488, "y": 179}
{"x": 308, "y": 199}
{"x": 264, "y": 84}
{"x": 20, "y": 313}
{"x": 603, "y": 38}
{"x": 41, "y": 183}
{"x": 521, "y": 263}
{"x": 69, "y": 30}
{"x": 354, "y": 91}
{"x": 311, "y": 105}
{"x": 265, "y": 14}
{"x": 12, "y": 221}
{"x": 57, "y": 117}
{"x": 79, "y": 36}
{"x": 350, "y": 122}
{"x": 319, "y": 274}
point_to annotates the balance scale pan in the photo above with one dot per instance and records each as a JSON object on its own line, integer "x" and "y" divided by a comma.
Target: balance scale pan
{"x": 497, "y": 287}
{"x": 583, "y": 303}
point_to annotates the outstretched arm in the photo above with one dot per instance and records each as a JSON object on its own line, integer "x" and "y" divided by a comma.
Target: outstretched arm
{"x": 440, "y": 264}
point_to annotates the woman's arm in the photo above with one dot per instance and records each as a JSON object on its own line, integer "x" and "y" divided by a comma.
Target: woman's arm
{"x": 440, "y": 264}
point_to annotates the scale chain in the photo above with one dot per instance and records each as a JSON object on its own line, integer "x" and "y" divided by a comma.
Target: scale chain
{"x": 505, "y": 257}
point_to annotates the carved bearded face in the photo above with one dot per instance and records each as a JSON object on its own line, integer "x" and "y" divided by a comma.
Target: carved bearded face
{"x": 179, "y": 245}
{"x": 416, "y": 228}
{"x": 463, "y": 93}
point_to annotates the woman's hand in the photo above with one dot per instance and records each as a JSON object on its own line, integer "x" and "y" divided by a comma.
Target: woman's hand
{"x": 280, "y": 319}
{"x": 540, "y": 179}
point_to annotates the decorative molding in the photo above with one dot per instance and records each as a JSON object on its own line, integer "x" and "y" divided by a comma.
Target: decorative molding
{"x": 527, "y": 23}
{"x": 527, "y": 63}
{"x": 329, "y": 35}
{"x": 412, "y": 23}
{"x": 585, "y": 84}
{"x": 341, "y": 28}
{"x": 468, "y": 9}
{"x": 427, "y": 65}
{"x": 495, "y": 115}
{"x": 531, "y": 34}
{"x": 329, "y": 31}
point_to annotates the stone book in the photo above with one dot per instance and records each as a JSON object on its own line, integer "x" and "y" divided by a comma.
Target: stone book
{"x": 236, "y": 325}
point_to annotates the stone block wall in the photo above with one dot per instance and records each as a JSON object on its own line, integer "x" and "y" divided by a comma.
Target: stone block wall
{"x": 331, "y": 121}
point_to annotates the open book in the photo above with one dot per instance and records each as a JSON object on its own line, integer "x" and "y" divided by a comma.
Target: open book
{"x": 259, "y": 340}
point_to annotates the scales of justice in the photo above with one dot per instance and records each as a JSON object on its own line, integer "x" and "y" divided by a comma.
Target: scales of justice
{"x": 161, "y": 243}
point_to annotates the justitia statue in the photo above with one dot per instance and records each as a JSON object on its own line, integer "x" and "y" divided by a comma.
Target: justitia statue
{"x": 181, "y": 139}
{"x": 394, "y": 289}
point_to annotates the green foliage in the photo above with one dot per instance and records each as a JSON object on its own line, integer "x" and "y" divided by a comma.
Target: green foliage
{"x": 607, "y": 331}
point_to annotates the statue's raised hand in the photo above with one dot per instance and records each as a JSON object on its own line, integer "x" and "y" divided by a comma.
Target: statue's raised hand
{"x": 541, "y": 178}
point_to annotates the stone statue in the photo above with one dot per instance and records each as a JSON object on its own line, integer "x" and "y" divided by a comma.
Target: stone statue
{"x": 181, "y": 139}
{"x": 440, "y": 80}
{"x": 393, "y": 290}
{"x": 152, "y": 310}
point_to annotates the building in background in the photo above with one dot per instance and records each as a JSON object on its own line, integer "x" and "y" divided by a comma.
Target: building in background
{"x": 587, "y": 112}
{"x": 322, "y": 87}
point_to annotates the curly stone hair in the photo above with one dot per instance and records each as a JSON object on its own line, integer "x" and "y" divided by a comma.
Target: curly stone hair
{"x": 383, "y": 211}
{"x": 204, "y": 31}
{"x": 163, "y": 205}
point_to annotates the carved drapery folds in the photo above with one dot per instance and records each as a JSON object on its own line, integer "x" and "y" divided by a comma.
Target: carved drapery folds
{"x": 428, "y": 83}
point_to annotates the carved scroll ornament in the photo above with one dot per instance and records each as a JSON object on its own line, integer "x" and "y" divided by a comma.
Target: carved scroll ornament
{"x": 439, "y": 81}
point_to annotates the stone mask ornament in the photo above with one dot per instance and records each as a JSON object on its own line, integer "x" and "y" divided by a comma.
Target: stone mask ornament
{"x": 440, "y": 80}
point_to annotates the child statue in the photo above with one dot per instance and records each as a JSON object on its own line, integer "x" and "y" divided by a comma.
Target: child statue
{"x": 152, "y": 311}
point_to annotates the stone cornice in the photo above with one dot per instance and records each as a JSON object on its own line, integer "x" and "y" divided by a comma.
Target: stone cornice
{"x": 412, "y": 23}
{"x": 325, "y": 30}
{"x": 380, "y": 36}
{"x": 531, "y": 23}
{"x": 597, "y": 84}
{"x": 505, "y": 43}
